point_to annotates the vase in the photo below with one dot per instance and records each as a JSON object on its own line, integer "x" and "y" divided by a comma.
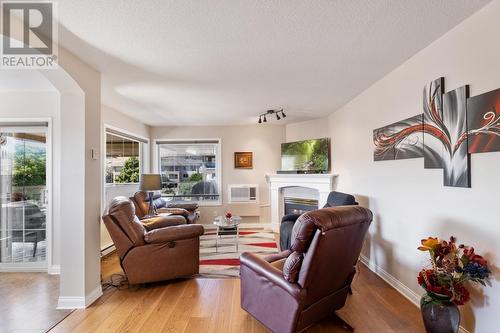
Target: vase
{"x": 439, "y": 316}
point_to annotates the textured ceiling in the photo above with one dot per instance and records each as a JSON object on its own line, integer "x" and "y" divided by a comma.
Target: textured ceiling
{"x": 219, "y": 62}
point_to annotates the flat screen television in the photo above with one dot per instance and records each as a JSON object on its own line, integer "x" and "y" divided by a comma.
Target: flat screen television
{"x": 306, "y": 156}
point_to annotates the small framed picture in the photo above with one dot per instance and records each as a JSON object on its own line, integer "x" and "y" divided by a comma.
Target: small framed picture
{"x": 243, "y": 160}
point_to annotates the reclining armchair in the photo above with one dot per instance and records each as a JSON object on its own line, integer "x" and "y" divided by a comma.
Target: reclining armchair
{"x": 155, "y": 251}
{"x": 189, "y": 211}
{"x": 334, "y": 199}
{"x": 292, "y": 290}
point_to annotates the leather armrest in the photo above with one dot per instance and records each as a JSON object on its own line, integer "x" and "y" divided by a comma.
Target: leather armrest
{"x": 274, "y": 275}
{"x": 162, "y": 222}
{"x": 277, "y": 256}
{"x": 174, "y": 233}
{"x": 187, "y": 206}
{"x": 290, "y": 217}
{"x": 173, "y": 211}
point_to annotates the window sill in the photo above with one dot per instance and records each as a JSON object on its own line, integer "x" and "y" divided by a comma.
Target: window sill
{"x": 216, "y": 203}
{"x": 122, "y": 184}
{"x": 209, "y": 203}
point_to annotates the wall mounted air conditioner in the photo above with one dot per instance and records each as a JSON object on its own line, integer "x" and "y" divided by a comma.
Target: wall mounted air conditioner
{"x": 243, "y": 193}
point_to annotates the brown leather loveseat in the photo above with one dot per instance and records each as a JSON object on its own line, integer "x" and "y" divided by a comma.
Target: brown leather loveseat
{"x": 189, "y": 211}
{"x": 293, "y": 290}
{"x": 154, "y": 251}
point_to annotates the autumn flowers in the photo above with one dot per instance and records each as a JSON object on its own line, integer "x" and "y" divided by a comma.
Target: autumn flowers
{"x": 452, "y": 266}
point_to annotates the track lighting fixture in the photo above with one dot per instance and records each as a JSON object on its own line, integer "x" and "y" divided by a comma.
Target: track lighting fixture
{"x": 262, "y": 117}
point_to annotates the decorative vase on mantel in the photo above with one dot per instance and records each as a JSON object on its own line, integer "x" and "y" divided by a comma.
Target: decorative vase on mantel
{"x": 440, "y": 315}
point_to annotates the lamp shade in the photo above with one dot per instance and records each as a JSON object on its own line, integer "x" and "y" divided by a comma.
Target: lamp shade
{"x": 150, "y": 182}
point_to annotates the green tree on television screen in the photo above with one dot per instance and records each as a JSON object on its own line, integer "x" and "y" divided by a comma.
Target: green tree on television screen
{"x": 311, "y": 155}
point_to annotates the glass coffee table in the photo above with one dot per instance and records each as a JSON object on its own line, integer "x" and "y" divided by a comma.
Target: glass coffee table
{"x": 227, "y": 227}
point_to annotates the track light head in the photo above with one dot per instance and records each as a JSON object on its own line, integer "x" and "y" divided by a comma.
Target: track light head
{"x": 263, "y": 116}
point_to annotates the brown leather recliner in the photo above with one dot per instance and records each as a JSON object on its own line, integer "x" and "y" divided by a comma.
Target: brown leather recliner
{"x": 155, "y": 251}
{"x": 189, "y": 211}
{"x": 292, "y": 290}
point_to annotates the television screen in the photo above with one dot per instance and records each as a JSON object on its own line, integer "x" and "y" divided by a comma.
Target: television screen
{"x": 308, "y": 155}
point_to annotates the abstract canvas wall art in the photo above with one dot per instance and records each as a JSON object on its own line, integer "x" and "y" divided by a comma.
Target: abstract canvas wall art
{"x": 483, "y": 118}
{"x": 401, "y": 140}
{"x": 455, "y": 158}
{"x": 452, "y": 127}
{"x": 384, "y": 149}
{"x": 410, "y": 139}
{"x": 433, "y": 122}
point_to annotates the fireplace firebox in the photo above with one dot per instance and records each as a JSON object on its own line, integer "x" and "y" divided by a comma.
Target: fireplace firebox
{"x": 299, "y": 205}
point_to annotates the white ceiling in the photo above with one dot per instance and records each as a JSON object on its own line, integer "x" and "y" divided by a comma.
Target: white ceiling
{"x": 222, "y": 62}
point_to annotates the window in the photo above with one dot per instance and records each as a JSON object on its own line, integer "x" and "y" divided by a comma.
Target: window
{"x": 123, "y": 158}
{"x": 24, "y": 199}
{"x": 190, "y": 170}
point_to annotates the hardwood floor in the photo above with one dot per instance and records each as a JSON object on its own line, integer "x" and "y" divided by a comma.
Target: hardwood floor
{"x": 213, "y": 305}
{"x": 28, "y": 302}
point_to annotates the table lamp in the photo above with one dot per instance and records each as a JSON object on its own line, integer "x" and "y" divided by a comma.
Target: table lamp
{"x": 150, "y": 182}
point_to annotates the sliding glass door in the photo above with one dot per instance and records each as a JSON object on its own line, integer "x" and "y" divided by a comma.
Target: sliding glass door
{"x": 23, "y": 196}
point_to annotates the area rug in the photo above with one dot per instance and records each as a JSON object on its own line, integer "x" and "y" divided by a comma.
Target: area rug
{"x": 225, "y": 261}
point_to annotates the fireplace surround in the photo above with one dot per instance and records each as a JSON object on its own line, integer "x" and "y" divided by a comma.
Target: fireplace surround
{"x": 319, "y": 185}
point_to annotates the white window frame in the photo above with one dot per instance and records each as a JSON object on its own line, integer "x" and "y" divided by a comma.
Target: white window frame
{"x": 143, "y": 152}
{"x": 218, "y": 166}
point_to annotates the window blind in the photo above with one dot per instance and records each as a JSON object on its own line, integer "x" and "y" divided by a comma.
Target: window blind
{"x": 186, "y": 142}
{"x": 24, "y": 124}
{"x": 126, "y": 136}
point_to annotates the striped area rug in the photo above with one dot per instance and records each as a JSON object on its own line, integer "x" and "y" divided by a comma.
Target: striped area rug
{"x": 225, "y": 261}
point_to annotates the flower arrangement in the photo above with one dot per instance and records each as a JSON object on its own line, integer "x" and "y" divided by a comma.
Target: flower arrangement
{"x": 228, "y": 215}
{"x": 452, "y": 266}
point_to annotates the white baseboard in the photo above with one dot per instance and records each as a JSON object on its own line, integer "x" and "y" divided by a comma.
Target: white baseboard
{"x": 54, "y": 270}
{"x": 392, "y": 281}
{"x": 396, "y": 284}
{"x": 93, "y": 296}
{"x": 64, "y": 302}
{"x": 108, "y": 249}
{"x": 24, "y": 268}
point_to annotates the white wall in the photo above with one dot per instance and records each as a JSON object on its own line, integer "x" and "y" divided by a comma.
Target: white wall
{"x": 80, "y": 260}
{"x": 305, "y": 130}
{"x": 73, "y": 105}
{"x": 115, "y": 118}
{"x": 409, "y": 202}
{"x": 263, "y": 140}
{"x": 77, "y": 184}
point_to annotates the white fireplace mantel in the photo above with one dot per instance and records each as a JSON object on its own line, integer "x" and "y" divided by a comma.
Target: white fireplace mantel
{"x": 323, "y": 183}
